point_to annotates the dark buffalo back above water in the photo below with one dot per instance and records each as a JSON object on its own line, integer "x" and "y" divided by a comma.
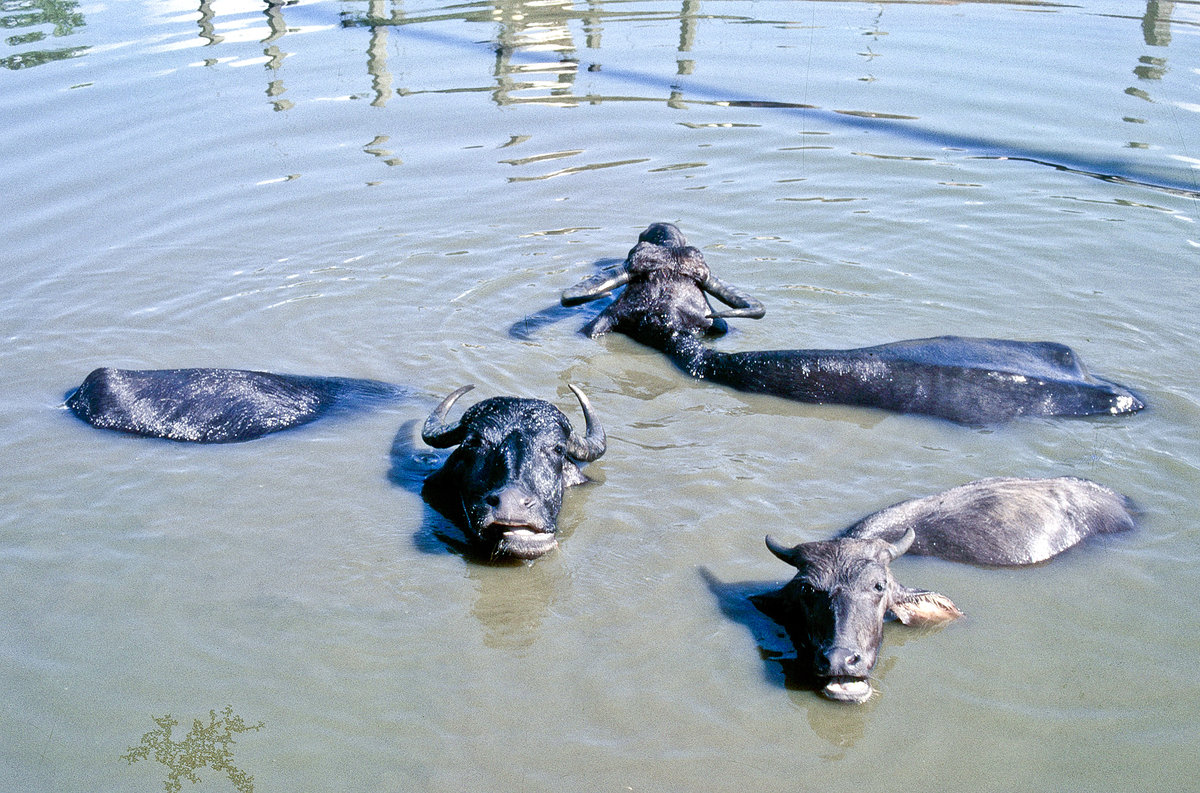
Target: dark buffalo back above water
{"x": 834, "y": 608}
{"x": 664, "y": 304}
{"x": 966, "y": 380}
{"x": 213, "y": 405}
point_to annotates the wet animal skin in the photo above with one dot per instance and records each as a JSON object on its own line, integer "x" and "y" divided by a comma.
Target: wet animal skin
{"x": 664, "y": 303}
{"x": 503, "y": 483}
{"x": 214, "y": 405}
{"x": 834, "y": 608}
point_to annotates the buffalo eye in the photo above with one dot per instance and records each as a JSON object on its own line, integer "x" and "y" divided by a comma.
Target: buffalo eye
{"x": 879, "y": 587}
{"x": 559, "y": 449}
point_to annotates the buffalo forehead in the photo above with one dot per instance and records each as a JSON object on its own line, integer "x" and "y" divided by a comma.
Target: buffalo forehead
{"x": 497, "y": 417}
{"x": 648, "y": 259}
{"x": 833, "y": 563}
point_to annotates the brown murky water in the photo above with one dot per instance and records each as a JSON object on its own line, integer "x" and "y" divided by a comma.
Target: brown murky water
{"x": 400, "y": 192}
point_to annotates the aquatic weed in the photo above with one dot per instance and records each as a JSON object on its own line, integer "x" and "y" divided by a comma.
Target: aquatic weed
{"x": 205, "y": 745}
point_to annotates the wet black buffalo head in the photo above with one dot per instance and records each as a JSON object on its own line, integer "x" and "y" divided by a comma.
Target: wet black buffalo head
{"x": 667, "y": 285}
{"x": 835, "y": 607}
{"x": 504, "y": 482}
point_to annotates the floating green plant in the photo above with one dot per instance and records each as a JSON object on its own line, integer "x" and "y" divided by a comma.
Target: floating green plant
{"x": 205, "y": 745}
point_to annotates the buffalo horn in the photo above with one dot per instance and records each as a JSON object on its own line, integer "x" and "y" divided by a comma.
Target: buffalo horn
{"x": 742, "y": 304}
{"x": 898, "y": 548}
{"x": 595, "y": 287}
{"x": 437, "y": 433}
{"x": 782, "y": 551}
{"x": 592, "y": 444}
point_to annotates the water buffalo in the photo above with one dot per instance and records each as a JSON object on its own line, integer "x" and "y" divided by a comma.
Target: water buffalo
{"x": 503, "y": 484}
{"x": 214, "y": 405}
{"x": 666, "y": 283}
{"x": 664, "y": 304}
{"x": 834, "y": 608}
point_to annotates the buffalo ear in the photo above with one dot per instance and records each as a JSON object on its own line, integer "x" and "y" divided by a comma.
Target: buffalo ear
{"x": 602, "y": 324}
{"x": 572, "y": 475}
{"x": 771, "y": 604}
{"x": 922, "y": 607}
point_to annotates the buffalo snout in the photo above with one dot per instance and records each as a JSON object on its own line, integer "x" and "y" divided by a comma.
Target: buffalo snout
{"x": 846, "y": 674}
{"x": 844, "y": 662}
{"x": 510, "y": 504}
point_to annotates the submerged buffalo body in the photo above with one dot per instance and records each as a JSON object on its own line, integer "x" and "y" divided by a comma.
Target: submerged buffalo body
{"x": 834, "y": 608}
{"x": 212, "y": 405}
{"x": 503, "y": 484}
{"x": 665, "y": 305}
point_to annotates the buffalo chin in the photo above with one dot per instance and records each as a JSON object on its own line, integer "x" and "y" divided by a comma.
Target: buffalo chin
{"x": 848, "y": 689}
{"x": 520, "y": 542}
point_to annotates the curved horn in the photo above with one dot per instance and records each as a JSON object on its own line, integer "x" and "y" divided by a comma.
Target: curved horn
{"x": 742, "y": 304}
{"x": 900, "y": 546}
{"x": 437, "y": 433}
{"x": 782, "y": 551}
{"x": 593, "y": 443}
{"x": 595, "y": 287}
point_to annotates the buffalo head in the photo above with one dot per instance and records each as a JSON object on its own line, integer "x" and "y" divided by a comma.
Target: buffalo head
{"x": 835, "y": 607}
{"x": 504, "y": 482}
{"x": 667, "y": 284}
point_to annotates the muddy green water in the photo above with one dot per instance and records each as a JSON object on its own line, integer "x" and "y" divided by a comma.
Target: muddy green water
{"x": 400, "y": 191}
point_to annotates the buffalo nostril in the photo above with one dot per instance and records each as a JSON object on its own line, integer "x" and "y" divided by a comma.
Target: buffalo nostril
{"x": 842, "y": 661}
{"x": 492, "y": 500}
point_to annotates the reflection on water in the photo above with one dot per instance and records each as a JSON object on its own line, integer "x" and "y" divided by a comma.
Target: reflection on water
{"x": 276, "y": 28}
{"x": 1156, "y": 24}
{"x": 512, "y": 601}
{"x": 208, "y": 745}
{"x": 207, "y": 30}
{"x": 62, "y": 17}
{"x": 1156, "y": 30}
{"x": 275, "y": 55}
{"x": 537, "y": 59}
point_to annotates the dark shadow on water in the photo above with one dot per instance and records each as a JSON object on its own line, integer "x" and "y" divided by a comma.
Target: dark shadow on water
{"x": 527, "y": 327}
{"x": 410, "y": 465}
{"x": 774, "y": 647}
{"x": 839, "y": 724}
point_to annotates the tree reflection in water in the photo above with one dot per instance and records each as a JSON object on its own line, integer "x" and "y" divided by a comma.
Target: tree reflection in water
{"x": 61, "y": 15}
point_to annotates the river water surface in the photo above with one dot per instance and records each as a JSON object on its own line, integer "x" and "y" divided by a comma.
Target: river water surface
{"x": 400, "y": 191}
